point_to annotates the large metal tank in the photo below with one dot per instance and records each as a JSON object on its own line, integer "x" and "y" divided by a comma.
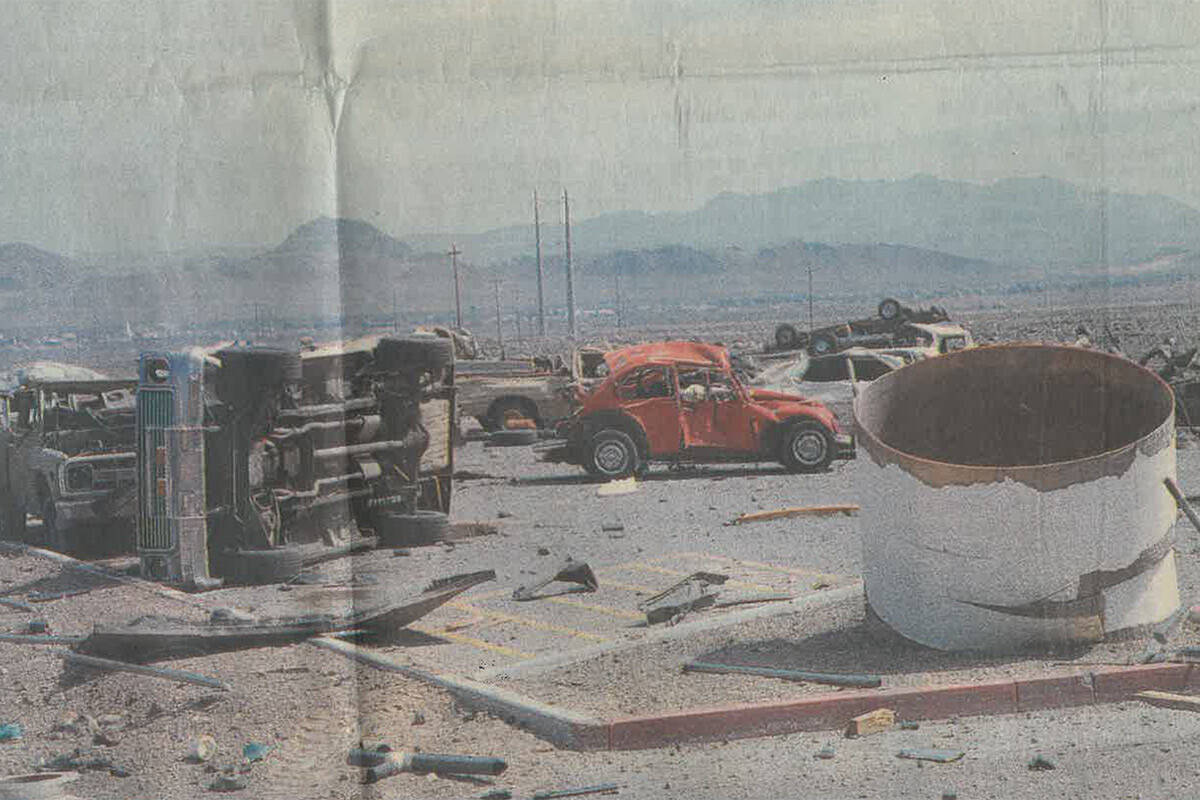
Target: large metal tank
{"x": 1016, "y": 497}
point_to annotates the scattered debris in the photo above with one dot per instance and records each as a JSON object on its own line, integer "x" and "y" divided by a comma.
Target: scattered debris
{"x": 570, "y": 571}
{"x": 15, "y": 604}
{"x": 11, "y": 731}
{"x": 227, "y": 783}
{"x": 106, "y": 739}
{"x": 1183, "y": 702}
{"x": 382, "y": 764}
{"x": 910, "y": 725}
{"x": 202, "y": 748}
{"x": 36, "y": 784}
{"x": 457, "y": 531}
{"x": 800, "y": 511}
{"x": 881, "y": 719}
{"x": 1166, "y": 629}
{"x": 543, "y": 551}
{"x": 601, "y": 788}
{"x": 689, "y": 594}
{"x": 1041, "y": 763}
{"x": 827, "y": 752}
{"x": 1182, "y": 502}
{"x": 832, "y": 679}
{"x": 930, "y": 754}
{"x": 47, "y": 597}
{"x": 607, "y": 527}
{"x": 153, "y": 638}
{"x": 77, "y": 761}
{"x": 179, "y": 676}
{"x": 31, "y": 638}
{"x": 496, "y": 794}
{"x": 618, "y": 487}
{"x": 751, "y": 599}
{"x": 255, "y": 751}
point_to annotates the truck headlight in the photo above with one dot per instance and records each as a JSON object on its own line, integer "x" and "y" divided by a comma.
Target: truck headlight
{"x": 79, "y": 477}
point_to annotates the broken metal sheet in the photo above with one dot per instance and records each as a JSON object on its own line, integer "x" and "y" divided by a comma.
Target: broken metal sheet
{"x": 689, "y": 594}
{"x": 570, "y": 571}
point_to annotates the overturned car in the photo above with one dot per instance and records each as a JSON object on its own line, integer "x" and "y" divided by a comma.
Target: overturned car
{"x": 681, "y": 402}
{"x": 247, "y": 455}
{"x": 895, "y": 326}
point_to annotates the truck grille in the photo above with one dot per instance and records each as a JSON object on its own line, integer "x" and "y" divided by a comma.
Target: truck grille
{"x": 154, "y": 416}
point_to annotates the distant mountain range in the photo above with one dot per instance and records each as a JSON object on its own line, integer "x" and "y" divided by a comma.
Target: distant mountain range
{"x": 913, "y": 238}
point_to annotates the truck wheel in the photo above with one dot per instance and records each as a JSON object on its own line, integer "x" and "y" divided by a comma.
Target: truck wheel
{"x": 276, "y": 565}
{"x": 806, "y": 447}
{"x": 431, "y": 354}
{"x": 12, "y": 522}
{"x": 611, "y": 454}
{"x": 405, "y": 530}
{"x": 247, "y": 372}
{"x": 785, "y": 337}
{"x": 823, "y": 344}
{"x": 889, "y": 308}
{"x": 510, "y": 408}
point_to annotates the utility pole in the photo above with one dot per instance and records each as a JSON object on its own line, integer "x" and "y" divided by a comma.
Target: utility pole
{"x": 454, "y": 253}
{"x": 537, "y": 239}
{"x": 810, "y": 302}
{"x": 395, "y": 316}
{"x": 499, "y": 330}
{"x": 617, "y": 277}
{"x": 570, "y": 277}
{"x": 517, "y": 317}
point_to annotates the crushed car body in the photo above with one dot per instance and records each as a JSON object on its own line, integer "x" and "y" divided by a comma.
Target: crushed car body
{"x": 895, "y": 325}
{"x": 681, "y": 401}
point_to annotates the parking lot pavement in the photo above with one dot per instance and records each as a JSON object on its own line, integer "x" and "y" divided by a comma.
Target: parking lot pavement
{"x": 638, "y": 544}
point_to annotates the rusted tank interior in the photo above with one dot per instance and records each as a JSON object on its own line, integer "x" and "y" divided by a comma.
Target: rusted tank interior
{"x": 1015, "y": 405}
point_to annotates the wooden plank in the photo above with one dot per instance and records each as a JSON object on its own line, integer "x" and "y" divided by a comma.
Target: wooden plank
{"x": 1183, "y": 702}
{"x": 877, "y": 721}
{"x": 800, "y": 511}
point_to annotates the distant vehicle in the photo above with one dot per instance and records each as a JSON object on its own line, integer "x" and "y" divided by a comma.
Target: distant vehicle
{"x": 681, "y": 401}
{"x": 895, "y": 326}
{"x": 67, "y": 456}
{"x": 542, "y": 390}
{"x": 830, "y": 378}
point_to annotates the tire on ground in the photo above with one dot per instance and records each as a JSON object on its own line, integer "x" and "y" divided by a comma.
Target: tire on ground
{"x": 396, "y": 529}
{"x": 611, "y": 454}
{"x": 431, "y": 354}
{"x": 275, "y": 565}
{"x": 806, "y": 446}
{"x": 786, "y": 337}
{"x": 514, "y": 438}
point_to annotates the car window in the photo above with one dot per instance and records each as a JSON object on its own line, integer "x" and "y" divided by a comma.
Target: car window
{"x": 646, "y": 383}
{"x": 868, "y": 369}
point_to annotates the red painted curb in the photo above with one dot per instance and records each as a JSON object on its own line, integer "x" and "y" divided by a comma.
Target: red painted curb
{"x": 832, "y": 711}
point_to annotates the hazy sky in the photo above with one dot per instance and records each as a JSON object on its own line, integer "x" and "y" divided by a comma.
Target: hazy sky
{"x": 157, "y": 125}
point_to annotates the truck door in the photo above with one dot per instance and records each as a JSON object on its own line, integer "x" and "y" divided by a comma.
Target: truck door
{"x": 713, "y": 412}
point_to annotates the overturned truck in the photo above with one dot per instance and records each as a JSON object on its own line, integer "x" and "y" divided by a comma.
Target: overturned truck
{"x": 252, "y": 459}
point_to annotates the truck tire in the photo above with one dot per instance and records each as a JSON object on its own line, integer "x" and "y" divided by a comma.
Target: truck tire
{"x": 806, "y": 447}
{"x": 12, "y": 522}
{"x": 786, "y": 337}
{"x": 611, "y": 454}
{"x": 889, "y": 308}
{"x": 513, "y": 438}
{"x": 823, "y": 344}
{"x": 419, "y": 353}
{"x": 275, "y": 565}
{"x": 247, "y": 372}
{"x": 395, "y": 529}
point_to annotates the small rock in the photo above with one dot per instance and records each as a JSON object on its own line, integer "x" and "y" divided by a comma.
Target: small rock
{"x": 1040, "y": 763}
{"x": 401, "y": 551}
{"x": 503, "y": 515}
{"x": 542, "y": 551}
{"x": 610, "y": 527}
{"x": 202, "y": 748}
{"x": 826, "y": 752}
{"x": 227, "y": 783}
{"x": 155, "y": 710}
{"x": 255, "y": 751}
{"x": 950, "y": 795}
{"x": 229, "y": 616}
{"x": 38, "y": 626}
{"x": 418, "y": 718}
{"x": 910, "y": 725}
{"x": 106, "y": 739}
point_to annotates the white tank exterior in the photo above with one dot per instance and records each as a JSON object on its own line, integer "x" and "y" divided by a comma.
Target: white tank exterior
{"x": 1063, "y": 541}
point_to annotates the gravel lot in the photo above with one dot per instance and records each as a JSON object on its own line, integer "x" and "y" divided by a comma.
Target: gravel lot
{"x": 311, "y": 705}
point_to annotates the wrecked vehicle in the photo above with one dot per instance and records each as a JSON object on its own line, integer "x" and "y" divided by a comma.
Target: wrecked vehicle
{"x": 895, "y": 326}
{"x": 542, "y": 390}
{"x": 831, "y": 378}
{"x": 247, "y": 452}
{"x": 681, "y": 401}
{"x": 1181, "y": 371}
{"x": 66, "y": 440}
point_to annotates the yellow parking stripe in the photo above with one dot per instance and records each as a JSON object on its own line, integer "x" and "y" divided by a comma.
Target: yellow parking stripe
{"x": 759, "y": 587}
{"x": 530, "y": 623}
{"x": 807, "y": 573}
{"x": 612, "y": 612}
{"x": 512, "y": 652}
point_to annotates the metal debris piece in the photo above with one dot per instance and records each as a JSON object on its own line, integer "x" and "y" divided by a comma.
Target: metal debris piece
{"x": 929, "y": 754}
{"x": 600, "y": 788}
{"x": 827, "y": 752}
{"x": 1166, "y": 629}
{"x": 689, "y": 594}
{"x": 381, "y": 764}
{"x": 1040, "y": 763}
{"x": 179, "y": 676}
{"x": 832, "y": 679}
{"x": 570, "y": 571}
{"x": 8, "y": 602}
{"x": 800, "y": 511}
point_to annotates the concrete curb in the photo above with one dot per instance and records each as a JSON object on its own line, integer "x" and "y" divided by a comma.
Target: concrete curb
{"x": 574, "y": 731}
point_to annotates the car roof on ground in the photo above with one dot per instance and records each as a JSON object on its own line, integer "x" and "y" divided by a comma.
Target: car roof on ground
{"x": 696, "y": 354}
